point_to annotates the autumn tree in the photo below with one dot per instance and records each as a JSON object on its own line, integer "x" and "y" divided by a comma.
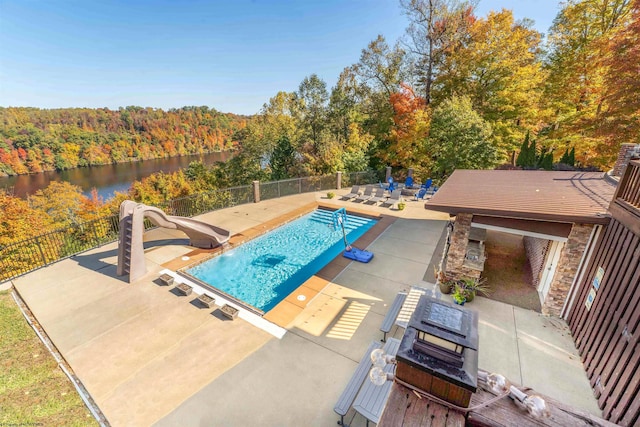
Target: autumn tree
{"x": 577, "y": 65}
{"x": 499, "y": 68}
{"x": 378, "y": 73}
{"x": 19, "y": 221}
{"x": 407, "y": 147}
{"x": 61, "y": 201}
{"x": 621, "y": 116}
{"x": 436, "y": 29}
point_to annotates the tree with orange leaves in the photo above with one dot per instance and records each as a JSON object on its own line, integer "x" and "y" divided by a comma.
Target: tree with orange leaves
{"x": 407, "y": 138}
{"x": 622, "y": 82}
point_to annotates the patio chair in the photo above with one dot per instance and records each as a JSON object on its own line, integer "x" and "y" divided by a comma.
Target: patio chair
{"x": 396, "y": 196}
{"x": 355, "y": 192}
{"x": 421, "y": 194}
{"x": 428, "y": 183}
{"x": 368, "y": 193}
{"x": 408, "y": 183}
{"x": 378, "y": 196}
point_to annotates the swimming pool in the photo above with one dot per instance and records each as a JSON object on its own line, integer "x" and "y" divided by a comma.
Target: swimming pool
{"x": 263, "y": 271}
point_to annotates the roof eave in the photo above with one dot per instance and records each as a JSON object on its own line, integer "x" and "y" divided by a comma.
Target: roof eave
{"x": 578, "y": 219}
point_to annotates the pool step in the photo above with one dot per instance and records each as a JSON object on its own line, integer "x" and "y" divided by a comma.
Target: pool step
{"x": 326, "y": 217}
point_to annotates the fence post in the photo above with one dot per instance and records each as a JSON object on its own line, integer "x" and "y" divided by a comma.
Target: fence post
{"x": 339, "y": 180}
{"x": 44, "y": 260}
{"x": 388, "y": 175}
{"x": 256, "y": 191}
{"x": 410, "y": 172}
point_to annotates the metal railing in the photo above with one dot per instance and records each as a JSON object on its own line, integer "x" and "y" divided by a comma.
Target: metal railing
{"x": 25, "y": 256}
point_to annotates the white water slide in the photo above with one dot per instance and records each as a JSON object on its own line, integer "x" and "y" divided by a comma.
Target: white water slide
{"x": 130, "y": 244}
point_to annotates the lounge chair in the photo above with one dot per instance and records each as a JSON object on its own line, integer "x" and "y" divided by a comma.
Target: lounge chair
{"x": 378, "y": 196}
{"x": 368, "y": 190}
{"x": 355, "y": 192}
{"x": 428, "y": 183}
{"x": 408, "y": 183}
{"x": 396, "y": 196}
{"x": 421, "y": 194}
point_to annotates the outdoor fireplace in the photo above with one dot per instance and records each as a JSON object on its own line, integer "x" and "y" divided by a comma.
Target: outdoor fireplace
{"x": 438, "y": 353}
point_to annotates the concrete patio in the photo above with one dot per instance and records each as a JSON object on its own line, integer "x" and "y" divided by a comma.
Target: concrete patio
{"x": 150, "y": 357}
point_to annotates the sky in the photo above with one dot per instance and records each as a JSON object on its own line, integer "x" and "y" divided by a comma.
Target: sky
{"x": 231, "y": 55}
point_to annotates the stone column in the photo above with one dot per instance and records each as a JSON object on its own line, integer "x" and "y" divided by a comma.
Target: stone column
{"x": 339, "y": 180}
{"x": 624, "y": 155}
{"x": 388, "y": 175}
{"x": 410, "y": 172}
{"x": 458, "y": 248}
{"x": 256, "y": 191}
{"x": 567, "y": 268}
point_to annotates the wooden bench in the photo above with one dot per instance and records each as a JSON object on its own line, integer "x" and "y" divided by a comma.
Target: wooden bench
{"x": 357, "y": 379}
{"x": 391, "y": 315}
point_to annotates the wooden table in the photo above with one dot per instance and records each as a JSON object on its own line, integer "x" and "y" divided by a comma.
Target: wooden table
{"x": 372, "y": 398}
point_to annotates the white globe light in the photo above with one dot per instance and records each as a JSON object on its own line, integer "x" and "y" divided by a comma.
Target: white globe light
{"x": 536, "y": 406}
{"x": 378, "y": 357}
{"x": 498, "y": 383}
{"x": 377, "y": 375}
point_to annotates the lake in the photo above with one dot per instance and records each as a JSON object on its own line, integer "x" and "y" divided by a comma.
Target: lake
{"x": 108, "y": 178}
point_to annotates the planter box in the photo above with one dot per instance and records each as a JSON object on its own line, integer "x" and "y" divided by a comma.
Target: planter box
{"x": 229, "y": 312}
{"x": 166, "y": 279}
{"x": 184, "y": 289}
{"x": 206, "y": 300}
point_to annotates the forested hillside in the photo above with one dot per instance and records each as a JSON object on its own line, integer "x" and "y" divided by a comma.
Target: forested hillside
{"x": 463, "y": 91}
{"x": 35, "y": 140}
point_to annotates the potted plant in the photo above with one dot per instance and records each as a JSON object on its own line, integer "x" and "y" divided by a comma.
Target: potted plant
{"x": 459, "y": 295}
{"x": 473, "y": 286}
{"x": 443, "y": 282}
{"x": 401, "y": 205}
{"x": 331, "y": 195}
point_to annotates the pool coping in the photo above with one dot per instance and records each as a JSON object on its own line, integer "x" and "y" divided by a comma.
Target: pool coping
{"x": 286, "y": 311}
{"x": 276, "y": 320}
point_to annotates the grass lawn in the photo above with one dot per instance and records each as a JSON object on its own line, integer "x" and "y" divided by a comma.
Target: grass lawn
{"x": 33, "y": 389}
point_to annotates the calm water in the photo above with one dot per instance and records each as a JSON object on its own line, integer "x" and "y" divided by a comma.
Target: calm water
{"x": 263, "y": 271}
{"x": 106, "y": 179}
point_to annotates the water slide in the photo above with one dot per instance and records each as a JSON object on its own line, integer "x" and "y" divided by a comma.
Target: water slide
{"x": 130, "y": 244}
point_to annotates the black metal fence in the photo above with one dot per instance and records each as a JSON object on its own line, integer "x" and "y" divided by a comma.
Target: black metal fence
{"x": 22, "y": 257}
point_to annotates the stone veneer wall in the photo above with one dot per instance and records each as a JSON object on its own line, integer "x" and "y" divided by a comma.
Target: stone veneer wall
{"x": 458, "y": 248}
{"x": 536, "y": 250}
{"x": 567, "y": 268}
{"x": 626, "y": 151}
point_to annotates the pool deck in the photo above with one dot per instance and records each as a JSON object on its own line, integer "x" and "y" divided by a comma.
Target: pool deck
{"x": 151, "y": 357}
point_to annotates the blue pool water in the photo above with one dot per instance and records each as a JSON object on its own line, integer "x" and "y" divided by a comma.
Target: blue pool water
{"x": 263, "y": 271}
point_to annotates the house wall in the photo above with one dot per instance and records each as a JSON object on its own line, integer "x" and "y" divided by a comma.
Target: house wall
{"x": 536, "y": 250}
{"x": 567, "y": 269}
{"x": 458, "y": 248}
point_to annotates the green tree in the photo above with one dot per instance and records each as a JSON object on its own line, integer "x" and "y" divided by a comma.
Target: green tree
{"x": 460, "y": 138}
{"x": 282, "y": 159}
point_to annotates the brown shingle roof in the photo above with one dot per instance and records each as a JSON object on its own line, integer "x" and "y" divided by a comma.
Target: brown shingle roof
{"x": 581, "y": 197}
